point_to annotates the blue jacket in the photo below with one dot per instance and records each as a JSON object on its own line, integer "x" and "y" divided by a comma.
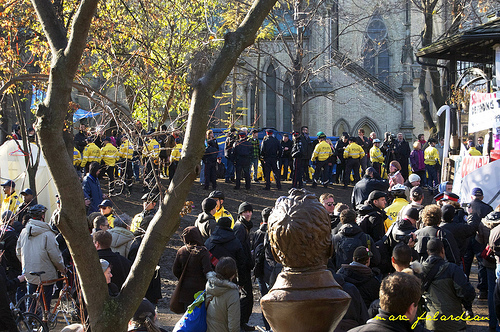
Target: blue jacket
{"x": 92, "y": 191}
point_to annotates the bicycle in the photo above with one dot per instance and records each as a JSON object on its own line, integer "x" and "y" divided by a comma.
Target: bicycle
{"x": 27, "y": 321}
{"x": 35, "y": 303}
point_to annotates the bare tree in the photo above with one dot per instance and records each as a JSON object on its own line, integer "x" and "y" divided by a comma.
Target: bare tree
{"x": 112, "y": 314}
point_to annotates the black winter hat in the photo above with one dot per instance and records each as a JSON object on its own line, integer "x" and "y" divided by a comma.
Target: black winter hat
{"x": 224, "y": 222}
{"x": 208, "y": 204}
{"x": 412, "y": 213}
{"x": 448, "y": 212}
{"x": 266, "y": 213}
{"x": 245, "y": 206}
{"x": 376, "y": 194}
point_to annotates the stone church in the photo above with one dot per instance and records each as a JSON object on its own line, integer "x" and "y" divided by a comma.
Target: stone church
{"x": 361, "y": 71}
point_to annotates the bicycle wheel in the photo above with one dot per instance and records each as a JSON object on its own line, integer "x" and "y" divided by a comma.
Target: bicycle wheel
{"x": 28, "y": 322}
{"x": 30, "y": 303}
{"x": 69, "y": 308}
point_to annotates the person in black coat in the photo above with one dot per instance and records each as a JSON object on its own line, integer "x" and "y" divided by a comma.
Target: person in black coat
{"x": 153, "y": 293}
{"x": 372, "y": 215}
{"x": 461, "y": 231}
{"x": 7, "y": 322}
{"x": 120, "y": 266}
{"x": 341, "y": 144}
{"x": 270, "y": 151}
{"x": 241, "y": 230}
{"x": 298, "y": 151}
{"x": 223, "y": 243}
{"x": 210, "y": 161}
{"x": 242, "y": 156}
{"x": 361, "y": 275}
{"x": 286, "y": 156}
{"x": 402, "y": 153}
{"x": 477, "y": 206}
{"x": 356, "y": 314}
{"x": 371, "y": 181}
{"x": 80, "y": 138}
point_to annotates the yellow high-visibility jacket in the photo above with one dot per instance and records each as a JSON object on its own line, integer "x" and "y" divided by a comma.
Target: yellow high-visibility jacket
{"x": 474, "y": 152}
{"x": 322, "y": 151}
{"x": 126, "y": 150}
{"x": 91, "y": 153}
{"x": 176, "y": 153}
{"x": 354, "y": 151}
{"x": 151, "y": 149}
{"x": 431, "y": 154}
{"x": 77, "y": 157}
{"x": 376, "y": 155}
{"x": 224, "y": 213}
{"x": 393, "y": 210}
{"x": 10, "y": 203}
{"x": 109, "y": 154}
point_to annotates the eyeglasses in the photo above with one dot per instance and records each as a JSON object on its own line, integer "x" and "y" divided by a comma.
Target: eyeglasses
{"x": 330, "y": 204}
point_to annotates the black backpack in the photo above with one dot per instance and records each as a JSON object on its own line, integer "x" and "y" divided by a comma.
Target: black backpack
{"x": 347, "y": 245}
{"x": 259, "y": 258}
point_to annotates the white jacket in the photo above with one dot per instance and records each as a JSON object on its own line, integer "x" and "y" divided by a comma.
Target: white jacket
{"x": 37, "y": 250}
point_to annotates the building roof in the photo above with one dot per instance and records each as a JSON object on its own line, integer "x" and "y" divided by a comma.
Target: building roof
{"x": 473, "y": 45}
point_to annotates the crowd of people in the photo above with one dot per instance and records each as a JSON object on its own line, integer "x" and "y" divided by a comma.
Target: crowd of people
{"x": 393, "y": 254}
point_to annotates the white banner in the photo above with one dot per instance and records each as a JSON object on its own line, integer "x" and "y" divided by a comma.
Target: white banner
{"x": 484, "y": 111}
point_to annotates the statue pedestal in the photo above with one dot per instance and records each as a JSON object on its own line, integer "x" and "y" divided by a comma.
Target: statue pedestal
{"x": 309, "y": 301}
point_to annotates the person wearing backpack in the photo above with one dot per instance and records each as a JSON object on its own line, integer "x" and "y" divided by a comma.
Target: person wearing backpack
{"x": 349, "y": 237}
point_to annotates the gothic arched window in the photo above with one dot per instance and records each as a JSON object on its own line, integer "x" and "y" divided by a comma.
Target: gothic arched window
{"x": 271, "y": 96}
{"x": 375, "y": 50}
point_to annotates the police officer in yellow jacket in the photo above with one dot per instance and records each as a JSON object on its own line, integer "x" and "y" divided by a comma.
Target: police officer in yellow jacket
{"x": 109, "y": 156}
{"x": 175, "y": 156}
{"x": 352, "y": 155}
{"x": 10, "y": 201}
{"x": 150, "y": 155}
{"x": 90, "y": 153}
{"x": 376, "y": 156}
{"x": 126, "y": 153}
{"x": 321, "y": 156}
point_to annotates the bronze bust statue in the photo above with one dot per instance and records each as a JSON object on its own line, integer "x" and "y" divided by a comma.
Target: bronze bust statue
{"x": 305, "y": 296}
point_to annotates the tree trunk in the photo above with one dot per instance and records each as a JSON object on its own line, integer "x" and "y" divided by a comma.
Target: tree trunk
{"x": 113, "y": 314}
{"x": 298, "y": 72}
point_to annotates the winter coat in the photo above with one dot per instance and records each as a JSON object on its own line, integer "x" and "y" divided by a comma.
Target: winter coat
{"x": 9, "y": 238}
{"x": 462, "y": 231}
{"x": 429, "y": 232}
{"x": 353, "y": 231}
{"x": 206, "y": 224}
{"x": 365, "y": 279}
{"x": 92, "y": 190}
{"x": 356, "y": 313}
{"x": 242, "y": 152}
{"x": 120, "y": 266}
{"x": 417, "y": 161}
{"x": 493, "y": 220}
{"x": 211, "y": 153}
{"x": 446, "y": 293}
{"x": 7, "y": 322}
{"x": 270, "y": 148}
{"x": 122, "y": 240}
{"x": 364, "y": 187}
{"x": 196, "y": 269}
{"x": 223, "y": 243}
{"x": 223, "y": 311}
{"x": 480, "y": 208}
{"x": 371, "y": 220}
{"x": 241, "y": 230}
{"x": 37, "y": 250}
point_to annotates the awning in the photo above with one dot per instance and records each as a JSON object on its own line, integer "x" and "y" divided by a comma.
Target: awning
{"x": 473, "y": 45}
